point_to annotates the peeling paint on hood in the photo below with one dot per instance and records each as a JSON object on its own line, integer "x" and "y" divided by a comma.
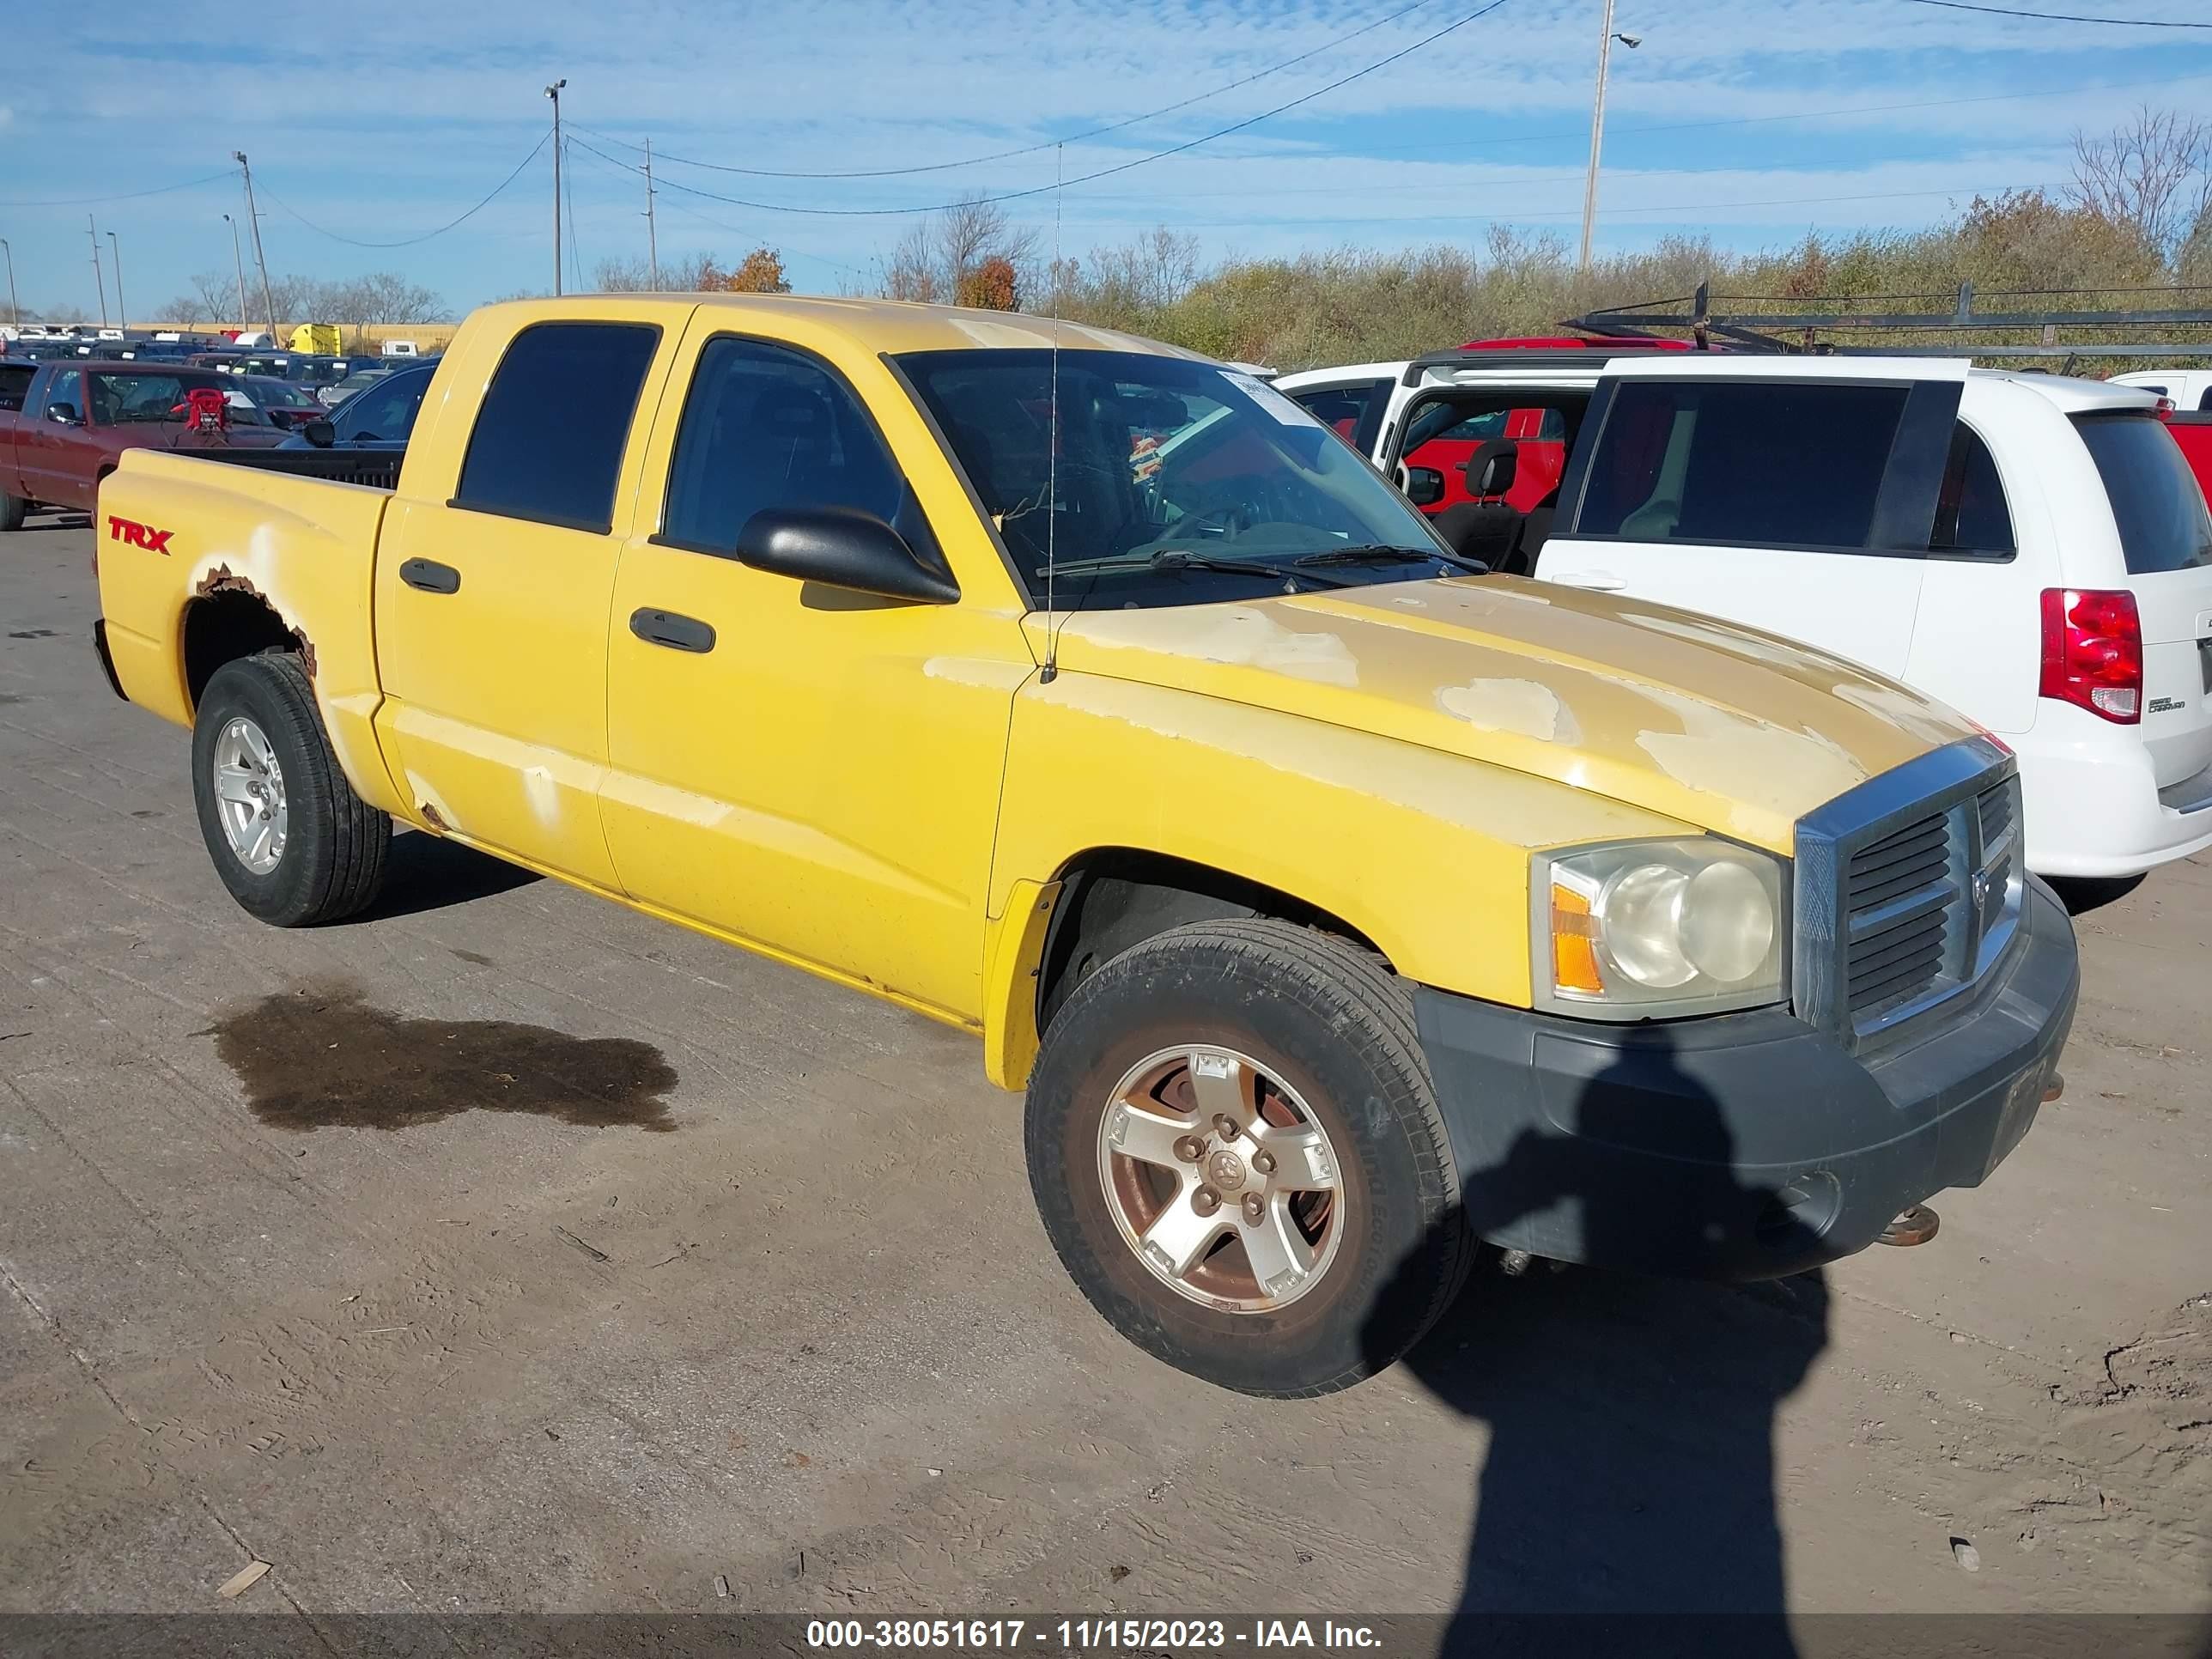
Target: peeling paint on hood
{"x": 1700, "y": 720}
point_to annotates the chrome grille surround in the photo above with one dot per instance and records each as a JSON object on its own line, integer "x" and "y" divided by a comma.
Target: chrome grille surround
{"x": 1908, "y": 891}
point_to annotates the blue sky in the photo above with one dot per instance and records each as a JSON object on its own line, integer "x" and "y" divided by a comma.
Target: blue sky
{"x": 1750, "y": 119}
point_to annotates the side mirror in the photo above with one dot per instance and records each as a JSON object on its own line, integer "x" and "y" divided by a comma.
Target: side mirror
{"x": 320, "y": 433}
{"x": 841, "y": 547}
{"x": 1424, "y": 486}
{"x": 64, "y": 415}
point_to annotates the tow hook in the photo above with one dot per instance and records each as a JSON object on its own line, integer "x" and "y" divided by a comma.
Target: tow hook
{"x": 1914, "y": 1226}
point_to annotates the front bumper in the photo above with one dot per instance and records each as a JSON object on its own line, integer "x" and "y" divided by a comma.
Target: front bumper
{"x": 1743, "y": 1145}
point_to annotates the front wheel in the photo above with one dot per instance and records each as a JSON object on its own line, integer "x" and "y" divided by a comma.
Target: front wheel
{"x": 290, "y": 838}
{"x": 1236, "y": 1148}
{"x": 13, "y": 509}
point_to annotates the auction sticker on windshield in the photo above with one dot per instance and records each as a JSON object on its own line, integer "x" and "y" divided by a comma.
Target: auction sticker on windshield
{"x": 1269, "y": 399}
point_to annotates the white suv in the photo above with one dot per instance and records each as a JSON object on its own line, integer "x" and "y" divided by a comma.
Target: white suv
{"x": 2030, "y": 549}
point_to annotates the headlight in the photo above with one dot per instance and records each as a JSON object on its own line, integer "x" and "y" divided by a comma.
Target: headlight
{"x": 1643, "y": 929}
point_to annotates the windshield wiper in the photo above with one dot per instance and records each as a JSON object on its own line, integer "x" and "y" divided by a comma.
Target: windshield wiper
{"x": 1379, "y": 553}
{"x": 1177, "y": 559}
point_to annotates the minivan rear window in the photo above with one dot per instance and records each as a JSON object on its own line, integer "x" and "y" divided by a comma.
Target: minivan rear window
{"x": 2156, "y": 503}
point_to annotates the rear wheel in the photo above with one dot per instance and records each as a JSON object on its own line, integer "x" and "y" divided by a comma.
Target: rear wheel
{"x": 1236, "y": 1147}
{"x": 12, "y": 511}
{"x": 290, "y": 838}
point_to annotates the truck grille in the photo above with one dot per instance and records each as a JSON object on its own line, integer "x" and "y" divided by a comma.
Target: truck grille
{"x": 1922, "y": 887}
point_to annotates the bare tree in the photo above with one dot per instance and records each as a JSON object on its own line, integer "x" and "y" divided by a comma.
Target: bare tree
{"x": 187, "y": 309}
{"x": 938, "y": 258}
{"x": 683, "y": 273}
{"x": 2153, "y": 174}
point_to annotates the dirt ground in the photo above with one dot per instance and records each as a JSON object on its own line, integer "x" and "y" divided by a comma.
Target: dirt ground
{"x": 506, "y": 1250}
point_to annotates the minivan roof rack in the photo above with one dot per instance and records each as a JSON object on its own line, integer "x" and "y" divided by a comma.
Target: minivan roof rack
{"x": 1595, "y": 354}
{"x": 1710, "y": 324}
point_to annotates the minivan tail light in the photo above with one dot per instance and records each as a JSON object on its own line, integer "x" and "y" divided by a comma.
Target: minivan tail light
{"x": 2092, "y": 652}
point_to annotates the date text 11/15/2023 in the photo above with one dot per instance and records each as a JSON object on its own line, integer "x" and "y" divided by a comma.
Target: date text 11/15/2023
{"x": 1105, "y": 1633}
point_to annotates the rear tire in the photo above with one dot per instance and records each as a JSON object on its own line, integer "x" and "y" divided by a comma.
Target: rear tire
{"x": 1315, "y": 1039}
{"x": 290, "y": 838}
{"x": 12, "y": 511}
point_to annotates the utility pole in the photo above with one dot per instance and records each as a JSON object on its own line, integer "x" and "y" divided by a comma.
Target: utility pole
{"x": 1604, "y": 39}
{"x": 237, "y": 264}
{"x": 554, "y": 93}
{"x": 122, "y": 311}
{"x": 253, "y": 221}
{"x": 652, "y": 239}
{"x": 15, "y": 311}
{"x": 98, "y": 282}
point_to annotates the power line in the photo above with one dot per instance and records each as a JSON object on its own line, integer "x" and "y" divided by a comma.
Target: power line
{"x": 1575, "y": 213}
{"x": 127, "y": 196}
{"x": 1581, "y": 134}
{"x": 1084, "y": 178}
{"x": 2059, "y": 16}
{"x": 686, "y": 208}
{"x": 1032, "y": 149}
{"x": 410, "y": 241}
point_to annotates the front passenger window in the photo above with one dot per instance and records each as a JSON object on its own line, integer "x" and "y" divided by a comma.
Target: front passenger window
{"x": 767, "y": 426}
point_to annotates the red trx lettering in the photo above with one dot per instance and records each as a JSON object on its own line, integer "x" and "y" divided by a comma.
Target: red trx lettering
{"x": 134, "y": 534}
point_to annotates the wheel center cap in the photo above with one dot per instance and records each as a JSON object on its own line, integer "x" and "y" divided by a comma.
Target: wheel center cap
{"x": 1225, "y": 1170}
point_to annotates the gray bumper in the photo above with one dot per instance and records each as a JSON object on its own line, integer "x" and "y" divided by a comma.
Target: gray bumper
{"x": 1744, "y": 1145}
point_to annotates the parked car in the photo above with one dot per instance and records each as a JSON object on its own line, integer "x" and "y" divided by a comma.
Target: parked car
{"x": 2188, "y": 389}
{"x": 287, "y": 403}
{"x": 2193, "y": 434}
{"x": 336, "y": 391}
{"x": 2029, "y": 547}
{"x": 1330, "y": 912}
{"x": 78, "y": 419}
{"x": 380, "y": 417}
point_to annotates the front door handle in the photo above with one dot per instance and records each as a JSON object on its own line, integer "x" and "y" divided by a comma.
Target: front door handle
{"x": 430, "y": 577}
{"x": 666, "y": 628}
{"x": 1601, "y": 581}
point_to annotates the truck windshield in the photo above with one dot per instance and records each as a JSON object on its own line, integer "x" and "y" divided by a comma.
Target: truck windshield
{"x": 1175, "y": 480}
{"x": 2155, "y": 500}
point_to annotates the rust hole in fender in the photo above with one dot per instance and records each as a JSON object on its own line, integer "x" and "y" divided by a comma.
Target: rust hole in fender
{"x": 435, "y": 819}
{"x": 323, "y": 1058}
{"x": 222, "y": 580}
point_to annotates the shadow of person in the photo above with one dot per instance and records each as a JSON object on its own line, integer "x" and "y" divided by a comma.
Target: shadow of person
{"x": 1630, "y": 1470}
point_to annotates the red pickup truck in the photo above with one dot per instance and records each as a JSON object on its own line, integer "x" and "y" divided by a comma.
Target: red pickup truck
{"x": 75, "y": 418}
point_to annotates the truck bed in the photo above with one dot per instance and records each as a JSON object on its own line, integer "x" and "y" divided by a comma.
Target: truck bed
{"x": 375, "y": 469}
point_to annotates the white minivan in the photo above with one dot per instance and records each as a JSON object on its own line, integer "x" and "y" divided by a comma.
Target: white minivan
{"x": 2033, "y": 549}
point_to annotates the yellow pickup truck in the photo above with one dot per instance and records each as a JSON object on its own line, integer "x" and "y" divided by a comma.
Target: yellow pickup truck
{"x": 1336, "y": 905}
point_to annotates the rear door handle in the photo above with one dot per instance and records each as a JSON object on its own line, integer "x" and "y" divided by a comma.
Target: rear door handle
{"x": 430, "y": 576}
{"x": 1602, "y": 581}
{"x": 666, "y": 628}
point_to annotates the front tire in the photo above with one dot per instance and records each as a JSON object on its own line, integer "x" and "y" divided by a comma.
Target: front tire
{"x": 13, "y": 509}
{"x": 290, "y": 838}
{"x": 1235, "y": 1144}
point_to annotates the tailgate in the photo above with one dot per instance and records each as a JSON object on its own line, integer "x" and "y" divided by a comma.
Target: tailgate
{"x": 2166, "y": 537}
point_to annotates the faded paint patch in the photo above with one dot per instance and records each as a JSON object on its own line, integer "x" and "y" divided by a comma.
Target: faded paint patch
{"x": 1747, "y": 760}
{"x": 980, "y": 672}
{"x": 1920, "y": 715}
{"x": 1520, "y": 707}
{"x": 1234, "y": 635}
{"x": 544, "y": 793}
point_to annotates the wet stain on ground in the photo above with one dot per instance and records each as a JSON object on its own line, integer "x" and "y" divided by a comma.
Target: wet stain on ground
{"x": 9, "y": 699}
{"x": 321, "y": 1058}
{"x": 471, "y": 955}
{"x": 34, "y": 633}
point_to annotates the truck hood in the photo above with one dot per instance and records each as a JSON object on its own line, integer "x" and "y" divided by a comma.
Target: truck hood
{"x": 1701, "y": 720}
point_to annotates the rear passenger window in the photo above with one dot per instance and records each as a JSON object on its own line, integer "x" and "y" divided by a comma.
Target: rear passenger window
{"x": 2157, "y": 505}
{"x": 549, "y": 437}
{"x": 1971, "y": 516}
{"x": 767, "y": 427}
{"x": 1355, "y": 412}
{"x": 1757, "y": 463}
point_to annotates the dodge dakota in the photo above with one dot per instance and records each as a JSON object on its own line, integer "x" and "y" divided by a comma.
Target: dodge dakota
{"x": 1336, "y": 906}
